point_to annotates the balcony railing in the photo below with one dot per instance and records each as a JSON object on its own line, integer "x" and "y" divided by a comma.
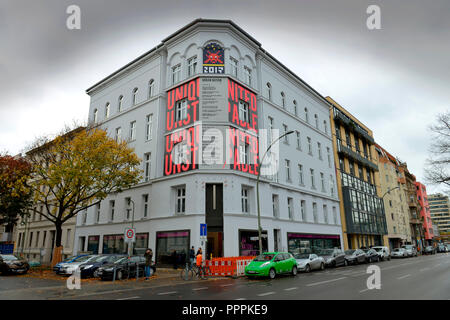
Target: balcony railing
{"x": 356, "y": 156}
{"x": 340, "y": 116}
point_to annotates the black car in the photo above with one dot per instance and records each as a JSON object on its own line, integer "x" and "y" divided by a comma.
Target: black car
{"x": 125, "y": 267}
{"x": 333, "y": 257}
{"x": 88, "y": 269}
{"x": 429, "y": 250}
{"x": 355, "y": 256}
{"x": 371, "y": 255}
{"x": 10, "y": 263}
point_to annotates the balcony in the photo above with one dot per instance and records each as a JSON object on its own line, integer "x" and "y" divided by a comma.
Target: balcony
{"x": 355, "y": 156}
{"x": 346, "y": 121}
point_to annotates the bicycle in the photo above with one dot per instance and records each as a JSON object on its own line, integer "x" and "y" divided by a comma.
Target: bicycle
{"x": 187, "y": 273}
{"x": 201, "y": 272}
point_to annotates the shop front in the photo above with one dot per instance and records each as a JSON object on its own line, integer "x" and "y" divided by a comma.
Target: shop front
{"x": 114, "y": 244}
{"x": 249, "y": 242}
{"x": 314, "y": 243}
{"x": 93, "y": 242}
{"x": 172, "y": 247}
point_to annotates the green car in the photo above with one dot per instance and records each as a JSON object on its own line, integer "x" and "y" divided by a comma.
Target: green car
{"x": 269, "y": 264}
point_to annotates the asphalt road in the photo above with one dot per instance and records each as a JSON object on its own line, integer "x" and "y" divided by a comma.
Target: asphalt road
{"x": 424, "y": 277}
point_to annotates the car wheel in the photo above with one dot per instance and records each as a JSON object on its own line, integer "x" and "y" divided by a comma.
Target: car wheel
{"x": 370, "y": 260}
{"x": 307, "y": 268}
{"x": 322, "y": 266}
{"x": 119, "y": 275}
{"x": 294, "y": 270}
{"x": 345, "y": 262}
{"x": 272, "y": 273}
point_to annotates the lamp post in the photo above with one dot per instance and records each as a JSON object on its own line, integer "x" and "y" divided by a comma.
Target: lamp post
{"x": 132, "y": 225}
{"x": 257, "y": 187}
{"x": 389, "y": 191}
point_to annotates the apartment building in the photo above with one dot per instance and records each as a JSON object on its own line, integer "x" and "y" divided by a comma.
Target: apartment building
{"x": 200, "y": 109}
{"x": 424, "y": 210}
{"x": 440, "y": 214}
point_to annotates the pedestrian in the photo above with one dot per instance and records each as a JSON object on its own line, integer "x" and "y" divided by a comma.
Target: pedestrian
{"x": 199, "y": 258}
{"x": 148, "y": 262}
{"x": 192, "y": 256}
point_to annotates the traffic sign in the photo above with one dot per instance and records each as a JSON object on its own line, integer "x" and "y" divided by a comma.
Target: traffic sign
{"x": 130, "y": 235}
{"x": 203, "y": 230}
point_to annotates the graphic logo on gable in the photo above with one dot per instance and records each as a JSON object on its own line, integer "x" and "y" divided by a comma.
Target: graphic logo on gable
{"x": 213, "y": 58}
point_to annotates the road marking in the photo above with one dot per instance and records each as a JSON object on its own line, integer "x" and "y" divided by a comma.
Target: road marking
{"x": 403, "y": 277}
{"x": 266, "y": 294}
{"x": 226, "y": 285}
{"x": 289, "y": 289}
{"x": 322, "y": 282}
{"x": 202, "y": 288}
{"x": 424, "y": 269}
{"x": 129, "y": 298}
{"x": 364, "y": 290}
{"x": 164, "y": 293}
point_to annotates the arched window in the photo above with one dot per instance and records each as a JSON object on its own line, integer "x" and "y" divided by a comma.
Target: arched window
{"x": 95, "y": 116}
{"x": 119, "y": 103}
{"x": 151, "y": 87}
{"x": 295, "y": 107}
{"x": 316, "y": 118}
{"x": 283, "y": 100}
{"x": 134, "y": 97}
{"x": 269, "y": 90}
{"x": 306, "y": 115}
{"x": 107, "y": 110}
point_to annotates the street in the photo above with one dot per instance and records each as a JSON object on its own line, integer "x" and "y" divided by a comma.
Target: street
{"x": 424, "y": 277}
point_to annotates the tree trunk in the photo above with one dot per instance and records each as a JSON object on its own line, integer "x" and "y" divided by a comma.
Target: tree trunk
{"x": 57, "y": 250}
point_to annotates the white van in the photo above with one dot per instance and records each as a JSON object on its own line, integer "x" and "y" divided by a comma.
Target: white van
{"x": 383, "y": 252}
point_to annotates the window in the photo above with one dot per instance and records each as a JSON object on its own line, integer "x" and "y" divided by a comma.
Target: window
{"x": 325, "y": 126}
{"x": 316, "y": 218}
{"x": 149, "y": 127}
{"x": 243, "y": 111}
{"x": 181, "y": 110}
{"x": 97, "y": 213}
{"x": 43, "y": 239}
{"x": 192, "y": 66}
{"x": 319, "y": 150}
{"x": 147, "y": 166}
{"x": 290, "y": 208}
{"x": 151, "y": 88}
{"x": 180, "y": 153}
{"x": 84, "y": 216}
{"x": 248, "y": 76}
{"x": 95, "y": 116}
{"x": 286, "y": 139}
{"x": 244, "y": 199}
{"x": 299, "y": 142}
{"x": 322, "y": 181}
{"x": 300, "y": 175}
{"x": 352, "y": 167}
{"x": 295, "y": 107}
{"x": 244, "y": 153}
{"x": 309, "y": 146}
{"x": 145, "y": 201}
{"x": 360, "y": 172}
{"x": 134, "y": 96}
{"x": 275, "y": 205}
{"x": 68, "y": 238}
{"x": 234, "y": 66}
{"x": 270, "y": 131}
{"x": 269, "y": 90}
{"x": 127, "y": 208}
{"x": 325, "y": 213}
{"x": 331, "y": 185}
{"x": 283, "y": 100}
{"x": 306, "y": 115}
{"x": 112, "y": 204}
{"x": 118, "y": 136}
{"x": 347, "y": 138}
{"x": 288, "y": 169}
{"x": 313, "y": 183}
{"x": 180, "y": 200}
{"x": 176, "y": 73}
{"x": 107, "y": 110}
{"x": 335, "y": 218}
{"x": 132, "y": 130}
{"x": 37, "y": 239}
{"x": 329, "y": 157}
{"x": 316, "y": 119}
{"x": 119, "y": 104}
{"x": 303, "y": 209}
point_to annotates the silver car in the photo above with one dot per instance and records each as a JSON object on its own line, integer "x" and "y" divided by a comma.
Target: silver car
{"x": 399, "y": 253}
{"x": 383, "y": 252}
{"x": 70, "y": 267}
{"x": 410, "y": 249}
{"x": 309, "y": 261}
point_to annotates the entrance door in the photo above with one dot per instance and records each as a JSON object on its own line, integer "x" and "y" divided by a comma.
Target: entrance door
{"x": 214, "y": 219}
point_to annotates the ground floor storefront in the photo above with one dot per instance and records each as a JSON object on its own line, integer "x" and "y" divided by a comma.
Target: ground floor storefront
{"x": 356, "y": 241}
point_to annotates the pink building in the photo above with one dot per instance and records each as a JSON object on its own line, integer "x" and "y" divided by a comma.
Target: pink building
{"x": 422, "y": 198}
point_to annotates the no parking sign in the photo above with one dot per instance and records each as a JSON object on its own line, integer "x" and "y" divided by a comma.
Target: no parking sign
{"x": 130, "y": 235}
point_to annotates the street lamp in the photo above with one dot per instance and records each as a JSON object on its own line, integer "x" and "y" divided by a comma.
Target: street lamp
{"x": 257, "y": 186}
{"x": 132, "y": 225}
{"x": 389, "y": 191}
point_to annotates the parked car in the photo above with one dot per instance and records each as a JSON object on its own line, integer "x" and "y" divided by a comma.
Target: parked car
{"x": 87, "y": 269}
{"x": 269, "y": 264}
{"x": 125, "y": 267}
{"x": 371, "y": 255}
{"x": 355, "y": 256}
{"x": 442, "y": 248}
{"x": 333, "y": 257}
{"x": 10, "y": 263}
{"x": 429, "y": 250}
{"x": 68, "y": 260}
{"x": 383, "y": 252}
{"x": 410, "y": 249}
{"x": 309, "y": 261}
{"x": 399, "y": 253}
{"x": 70, "y": 267}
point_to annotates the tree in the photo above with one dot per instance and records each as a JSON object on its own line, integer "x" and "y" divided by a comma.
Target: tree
{"x": 77, "y": 170}
{"x": 438, "y": 164}
{"x": 15, "y": 193}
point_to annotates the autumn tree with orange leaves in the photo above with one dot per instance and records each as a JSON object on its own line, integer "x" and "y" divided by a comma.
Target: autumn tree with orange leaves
{"x": 77, "y": 170}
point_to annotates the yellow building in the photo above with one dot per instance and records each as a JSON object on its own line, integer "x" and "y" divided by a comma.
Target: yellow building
{"x": 362, "y": 210}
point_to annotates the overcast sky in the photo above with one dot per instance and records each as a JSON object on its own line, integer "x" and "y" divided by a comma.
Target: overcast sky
{"x": 395, "y": 80}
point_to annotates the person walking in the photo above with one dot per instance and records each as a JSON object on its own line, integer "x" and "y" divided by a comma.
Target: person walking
{"x": 148, "y": 262}
{"x": 192, "y": 256}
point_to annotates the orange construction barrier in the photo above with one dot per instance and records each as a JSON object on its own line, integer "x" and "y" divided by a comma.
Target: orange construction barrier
{"x": 228, "y": 266}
